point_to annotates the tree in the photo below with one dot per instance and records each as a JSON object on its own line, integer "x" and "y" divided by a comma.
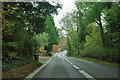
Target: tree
{"x": 25, "y": 20}
{"x": 68, "y": 24}
{"x": 94, "y": 14}
{"x": 93, "y": 35}
{"x": 39, "y": 40}
{"x": 112, "y": 25}
{"x": 81, "y": 24}
{"x": 52, "y": 31}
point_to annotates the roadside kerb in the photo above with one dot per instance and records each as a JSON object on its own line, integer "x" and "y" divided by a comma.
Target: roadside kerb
{"x": 37, "y": 70}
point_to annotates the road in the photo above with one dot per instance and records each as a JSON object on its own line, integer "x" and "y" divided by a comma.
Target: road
{"x": 61, "y": 66}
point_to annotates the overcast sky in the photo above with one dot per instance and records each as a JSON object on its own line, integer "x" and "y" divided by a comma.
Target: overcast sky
{"x": 68, "y": 6}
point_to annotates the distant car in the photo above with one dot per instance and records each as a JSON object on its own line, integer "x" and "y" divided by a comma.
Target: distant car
{"x": 50, "y": 54}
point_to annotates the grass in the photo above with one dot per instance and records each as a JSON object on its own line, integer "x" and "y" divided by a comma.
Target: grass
{"x": 98, "y": 61}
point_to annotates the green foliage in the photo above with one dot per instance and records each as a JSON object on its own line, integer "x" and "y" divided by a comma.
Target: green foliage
{"x": 98, "y": 52}
{"x": 12, "y": 55}
{"x": 41, "y": 39}
{"x": 38, "y": 41}
{"x": 52, "y": 31}
{"x": 96, "y": 30}
{"x": 113, "y": 39}
{"x": 111, "y": 16}
{"x": 38, "y": 63}
{"x": 43, "y": 51}
{"x": 21, "y": 36}
{"x": 15, "y": 62}
{"x": 10, "y": 44}
{"x": 112, "y": 19}
{"x": 73, "y": 42}
{"x": 93, "y": 38}
{"x": 23, "y": 31}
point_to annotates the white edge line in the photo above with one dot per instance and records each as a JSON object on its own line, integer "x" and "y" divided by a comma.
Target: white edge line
{"x": 38, "y": 69}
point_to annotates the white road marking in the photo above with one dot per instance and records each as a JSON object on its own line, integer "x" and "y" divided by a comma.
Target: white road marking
{"x": 67, "y": 60}
{"x": 76, "y": 67}
{"x": 71, "y": 63}
{"x": 81, "y": 71}
{"x": 86, "y": 75}
{"x": 37, "y": 70}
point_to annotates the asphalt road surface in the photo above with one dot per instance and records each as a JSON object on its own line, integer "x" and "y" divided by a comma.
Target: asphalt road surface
{"x": 61, "y": 66}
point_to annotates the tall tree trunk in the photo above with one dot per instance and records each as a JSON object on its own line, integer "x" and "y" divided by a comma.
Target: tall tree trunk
{"x": 78, "y": 48}
{"x": 28, "y": 53}
{"x": 102, "y": 32}
{"x": 35, "y": 48}
{"x": 30, "y": 50}
{"x": 69, "y": 45}
{"x": 78, "y": 39}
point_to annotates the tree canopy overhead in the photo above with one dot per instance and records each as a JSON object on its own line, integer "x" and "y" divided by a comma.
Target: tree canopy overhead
{"x": 25, "y": 26}
{"x": 91, "y": 26}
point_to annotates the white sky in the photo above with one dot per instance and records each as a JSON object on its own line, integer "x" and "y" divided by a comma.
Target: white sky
{"x": 68, "y": 6}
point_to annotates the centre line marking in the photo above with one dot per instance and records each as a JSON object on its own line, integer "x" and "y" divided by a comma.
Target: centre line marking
{"x": 67, "y": 60}
{"x": 76, "y": 67}
{"x": 71, "y": 63}
{"x": 86, "y": 75}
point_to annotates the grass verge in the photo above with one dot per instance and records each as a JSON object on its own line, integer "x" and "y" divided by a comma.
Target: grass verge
{"x": 98, "y": 61}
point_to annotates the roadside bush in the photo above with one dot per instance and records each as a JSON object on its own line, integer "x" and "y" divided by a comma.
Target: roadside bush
{"x": 75, "y": 53}
{"x": 15, "y": 62}
{"x": 97, "y": 52}
{"x": 38, "y": 63}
